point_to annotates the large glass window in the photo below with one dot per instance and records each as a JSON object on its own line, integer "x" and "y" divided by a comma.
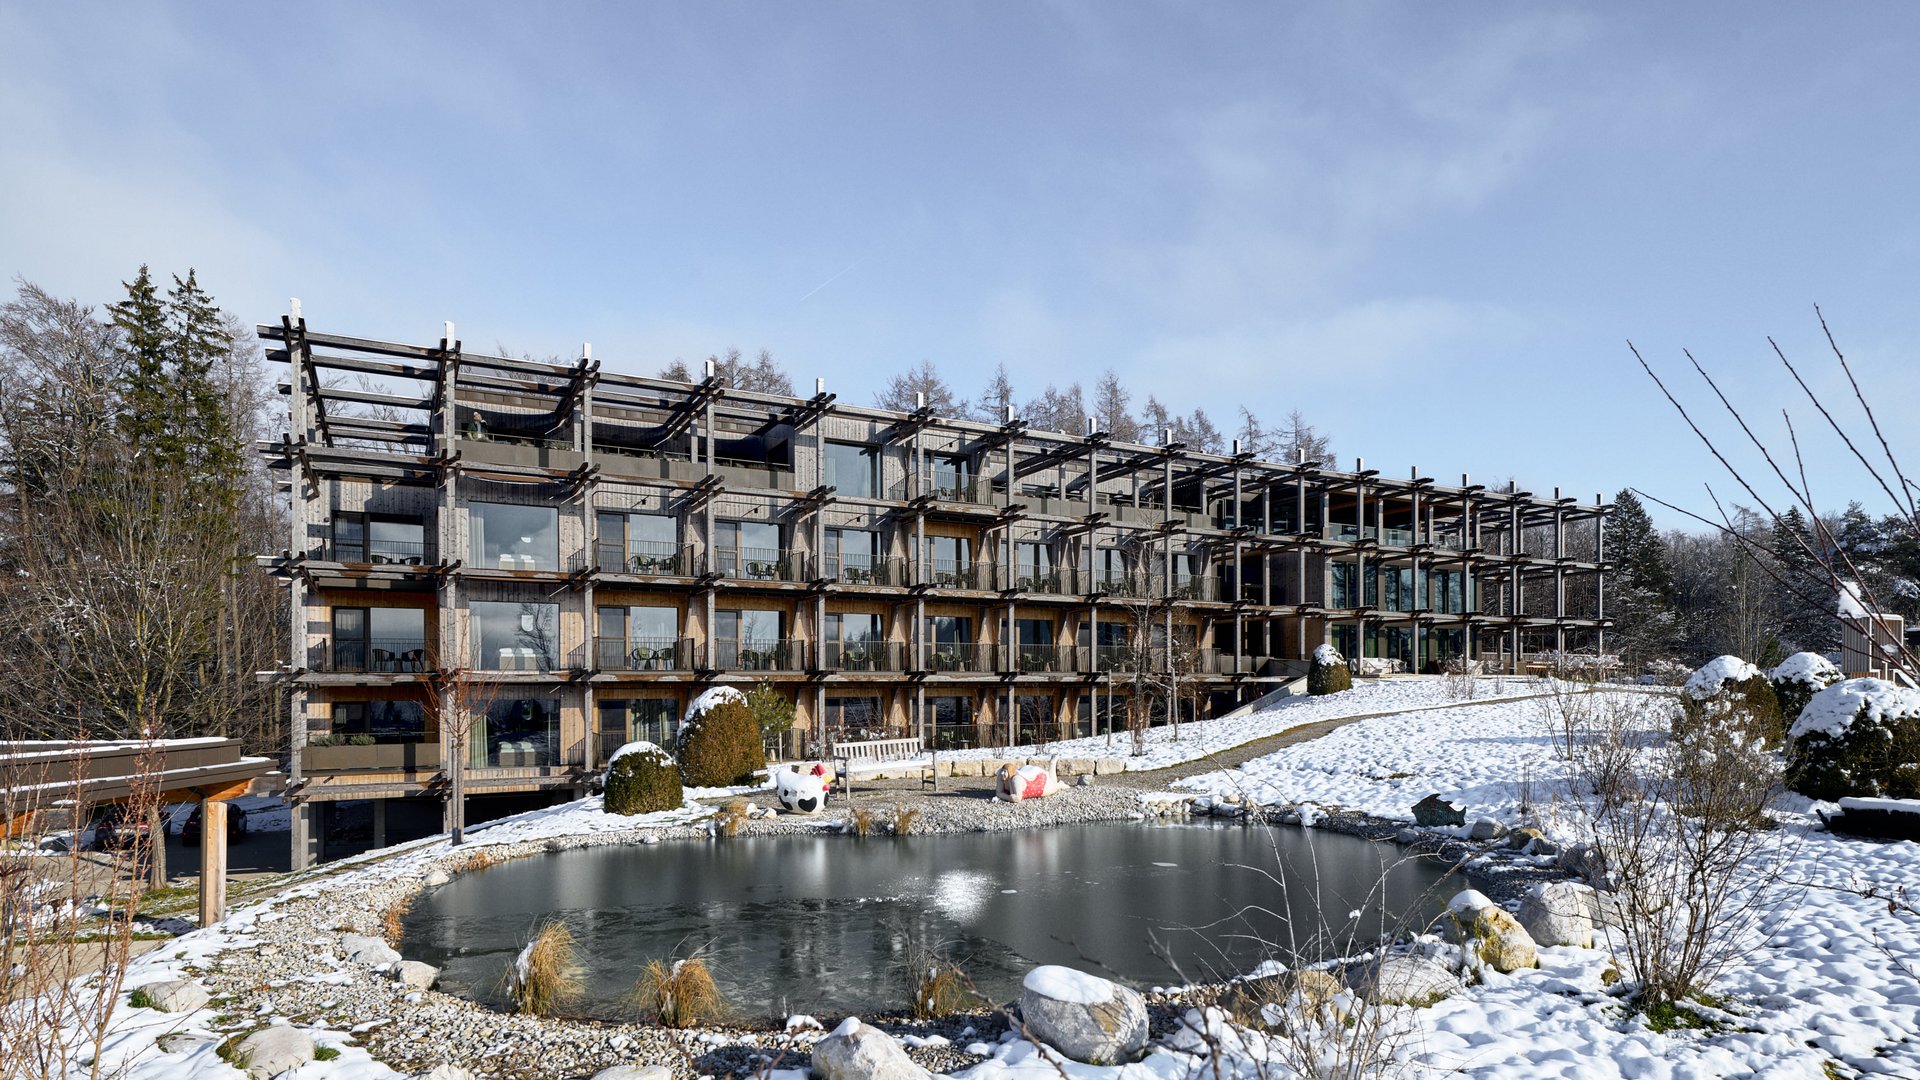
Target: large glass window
{"x": 950, "y": 644}
{"x": 950, "y": 561}
{"x": 1033, "y": 567}
{"x": 508, "y": 537}
{"x": 752, "y": 641}
{"x": 638, "y": 638}
{"x": 750, "y": 549}
{"x": 953, "y": 724}
{"x": 853, "y": 642}
{"x": 516, "y": 732}
{"x": 625, "y": 720}
{"x": 638, "y": 543}
{"x": 949, "y": 478}
{"x": 510, "y": 636}
{"x": 853, "y": 555}
{"x": 379, "y": 639}
{"x": 853, "y": 470}
{"x": 1110, "y": 568}
{"x": 851, "y": 719}
{"x": 381, "y": 721}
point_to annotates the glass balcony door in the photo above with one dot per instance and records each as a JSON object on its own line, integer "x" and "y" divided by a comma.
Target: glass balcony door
{"x": 509, "y": 636}
{"x": 638, "y": 638}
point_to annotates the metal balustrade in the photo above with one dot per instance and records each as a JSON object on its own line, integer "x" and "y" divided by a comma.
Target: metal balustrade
{"x": 759, "y": 655}
{"x": 755, "y": 564}
{"x": 643, "y": 654}
{"x": 862, "y": 656}
{"x": 645, "y": 557}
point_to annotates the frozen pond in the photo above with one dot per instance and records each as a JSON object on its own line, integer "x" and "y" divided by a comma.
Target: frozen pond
{"x": 826, "y": 924}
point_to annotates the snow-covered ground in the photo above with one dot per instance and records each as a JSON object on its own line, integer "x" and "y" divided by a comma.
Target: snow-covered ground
{"x": 1830, "y": 987}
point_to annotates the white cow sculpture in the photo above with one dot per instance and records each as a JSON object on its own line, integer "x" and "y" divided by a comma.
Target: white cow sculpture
{"x": 802, "y": 789}
{"x": 1013, "y": 784}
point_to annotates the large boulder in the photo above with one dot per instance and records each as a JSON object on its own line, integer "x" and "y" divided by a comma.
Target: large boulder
{"x": 857, "y": 1051}
{"x": 414, "y": 975}
{"x": 1434, "y": 812}
{"x": 1483, "y": 929}
{"x": 1402, "y": 979}
{"x": 176, "y": 996}
{"x": 1858, "y": 738}
{"x": 272, "y": 1051}
{"x": 1083, "y": 1016}
{"x": 1558, "y": 913}
{"x": 366, "y": 949}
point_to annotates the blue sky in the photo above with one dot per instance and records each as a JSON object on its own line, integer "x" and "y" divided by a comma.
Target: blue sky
{"x": 1431, "y": 228}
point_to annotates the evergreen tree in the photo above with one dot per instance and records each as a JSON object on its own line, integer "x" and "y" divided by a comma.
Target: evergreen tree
{"x": 142, "y": 322}
{"x": 1805, "y": 609}
{"x": 1640, "y": 587}
{"x": 205, "y": 431}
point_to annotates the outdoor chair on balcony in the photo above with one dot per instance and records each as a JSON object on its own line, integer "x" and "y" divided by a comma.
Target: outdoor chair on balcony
{"x": 857, "y": 575}
{"x": 384, "y": 660}
{"x": 763, "y": 571}
{"x": 413, "y": 660}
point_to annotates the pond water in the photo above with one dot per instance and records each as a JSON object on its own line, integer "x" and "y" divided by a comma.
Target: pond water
{"x": 827, "y": 924}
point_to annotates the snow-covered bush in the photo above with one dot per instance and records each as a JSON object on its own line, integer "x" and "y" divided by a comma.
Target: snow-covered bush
{"x": 1860, "y": 737}
{"x": 720, "y": 745}
{"x": 1328, "y": 673}
{"x": 1798, "y": 678}
{"x": 1668, "y": 672}
{"x": 1729, "y": 694}
{"x": 642, "y": 779}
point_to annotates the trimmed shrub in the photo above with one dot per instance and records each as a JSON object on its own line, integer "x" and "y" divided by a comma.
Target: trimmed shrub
{"x": 643, "y": 782}
{"x": 721, "y": 746}
{"x": 1729, "y": 694}
{"x": 1329, "y": 673}
{"x": 1857, "y": 738}
{"x": 1798, "y": 678}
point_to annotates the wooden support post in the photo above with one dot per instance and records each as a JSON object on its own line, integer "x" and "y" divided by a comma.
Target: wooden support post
{"x": 213, "y": 861}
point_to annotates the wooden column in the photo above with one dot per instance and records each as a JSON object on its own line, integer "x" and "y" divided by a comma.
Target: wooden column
{"x": 213, "y": 861}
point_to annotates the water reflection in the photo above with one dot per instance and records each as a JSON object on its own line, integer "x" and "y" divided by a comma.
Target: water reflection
{"x": 827, "y": 924}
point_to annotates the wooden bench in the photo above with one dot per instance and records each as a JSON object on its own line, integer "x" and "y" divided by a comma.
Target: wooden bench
{"x": 846, "y": 755}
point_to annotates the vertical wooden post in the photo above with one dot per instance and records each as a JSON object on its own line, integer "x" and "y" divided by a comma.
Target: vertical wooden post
{"x": 213, "y": 861}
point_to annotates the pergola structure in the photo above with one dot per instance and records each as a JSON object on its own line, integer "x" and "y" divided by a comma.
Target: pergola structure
{"x": 78, "y": 776}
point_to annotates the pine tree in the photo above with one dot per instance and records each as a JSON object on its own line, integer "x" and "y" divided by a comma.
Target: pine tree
{"x": 1805, "y": 609}
{"x": 142, "y": 322}
{"x": 1640, "y": 588}
{"x": 206, "y": 433}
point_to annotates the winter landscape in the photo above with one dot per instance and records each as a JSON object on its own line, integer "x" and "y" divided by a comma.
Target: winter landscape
{"x": 1055, "y": 542}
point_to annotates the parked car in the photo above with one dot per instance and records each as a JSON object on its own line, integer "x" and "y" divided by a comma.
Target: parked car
{"x": 114, "y": 828}
{"x": 190, "y": 827}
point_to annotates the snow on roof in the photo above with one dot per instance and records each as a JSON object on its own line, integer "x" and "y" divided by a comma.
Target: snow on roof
{"x": 1706, "y": 682}
{"x": 1833, "y": 710}
{"x": 1806, "y": 667}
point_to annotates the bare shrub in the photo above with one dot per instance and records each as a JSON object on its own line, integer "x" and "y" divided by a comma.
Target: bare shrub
{"x": 1682, "y": 830}
{"x": 392, "y": 920}
{"x": 862, "y": 822}
{"x": 546, "y": 974}
{"x": 680, "y": 994}
{"x": 1460, "y": 677}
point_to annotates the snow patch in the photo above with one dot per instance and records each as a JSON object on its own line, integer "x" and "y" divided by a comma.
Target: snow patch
{"x": 709, "y": 699}
{"x": 1806, "y": 667}
{"x": 1066, "y": 984}
{"x": 1327, "y": 654}
{"x": 1833, "y": 710}
{"x": 1718, "y": 671}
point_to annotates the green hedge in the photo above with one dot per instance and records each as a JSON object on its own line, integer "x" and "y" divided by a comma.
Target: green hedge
{"x": 1745, "y": 705}
{"x": 1798, "y": 678}
{"x": 643, "y": 782}
{"x": 721, "y": 747}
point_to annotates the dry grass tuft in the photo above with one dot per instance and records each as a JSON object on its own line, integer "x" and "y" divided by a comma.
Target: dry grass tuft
{"x": 905, "y": 819}
{"x": 937, "y": 988}
{"x": 390, "y": 920}
{"x": 545, "y": 974}
{"x": 681, "y": 994}
{"x": 733, "y": 817}
{"x": 862, "y": 822}
{"x": 478, "y": 859}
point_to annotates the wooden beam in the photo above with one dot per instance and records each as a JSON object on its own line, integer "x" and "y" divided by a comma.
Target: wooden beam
{"x": 213, "y": 860}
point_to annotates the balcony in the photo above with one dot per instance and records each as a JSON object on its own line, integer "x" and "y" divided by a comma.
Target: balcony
{"x": 956, "y": 574}
{"x": 952, "y": 485}
{"x": 788, "y": 655}
{"x": 374, "y": 757}
{"x": 862, "y": 656}
{"x": 644, "y": 557}
{"x": 1035, "y": 578}
{"x": 378, "y": 553}
{"x": 958, "y": 658}
{"x": 864, "y": 570}
{"x": 755, "y": 564}
{"x": 1047, "y": 659}
{"x": 382, "y": 656}
{"x": 643, "y": 654}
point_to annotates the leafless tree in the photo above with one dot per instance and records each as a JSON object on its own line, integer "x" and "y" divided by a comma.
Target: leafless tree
{"x": 920, "y": 384}
{"x": 1782, "y": 486}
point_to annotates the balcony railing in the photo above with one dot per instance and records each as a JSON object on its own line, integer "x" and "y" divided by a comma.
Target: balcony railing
{"x": 862, "y": 656}
{"x": 952, "y": 485}
{"x": 1035, "y": 577}
{"x": 379, "y": 552}
{"x": 1041, "y": 659}
{"x": 643, "y": 654}
{"x": 755, "y": 564}
{"x": 380, "y": 756}
{"x": 646, "y": 557}
{"x": 376, "y": 655}
{"x": 864, "y": 569}
{"x": 956, "y": 574}
{"x": 956, "y": 657}
{"x": 787, "y": 655}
